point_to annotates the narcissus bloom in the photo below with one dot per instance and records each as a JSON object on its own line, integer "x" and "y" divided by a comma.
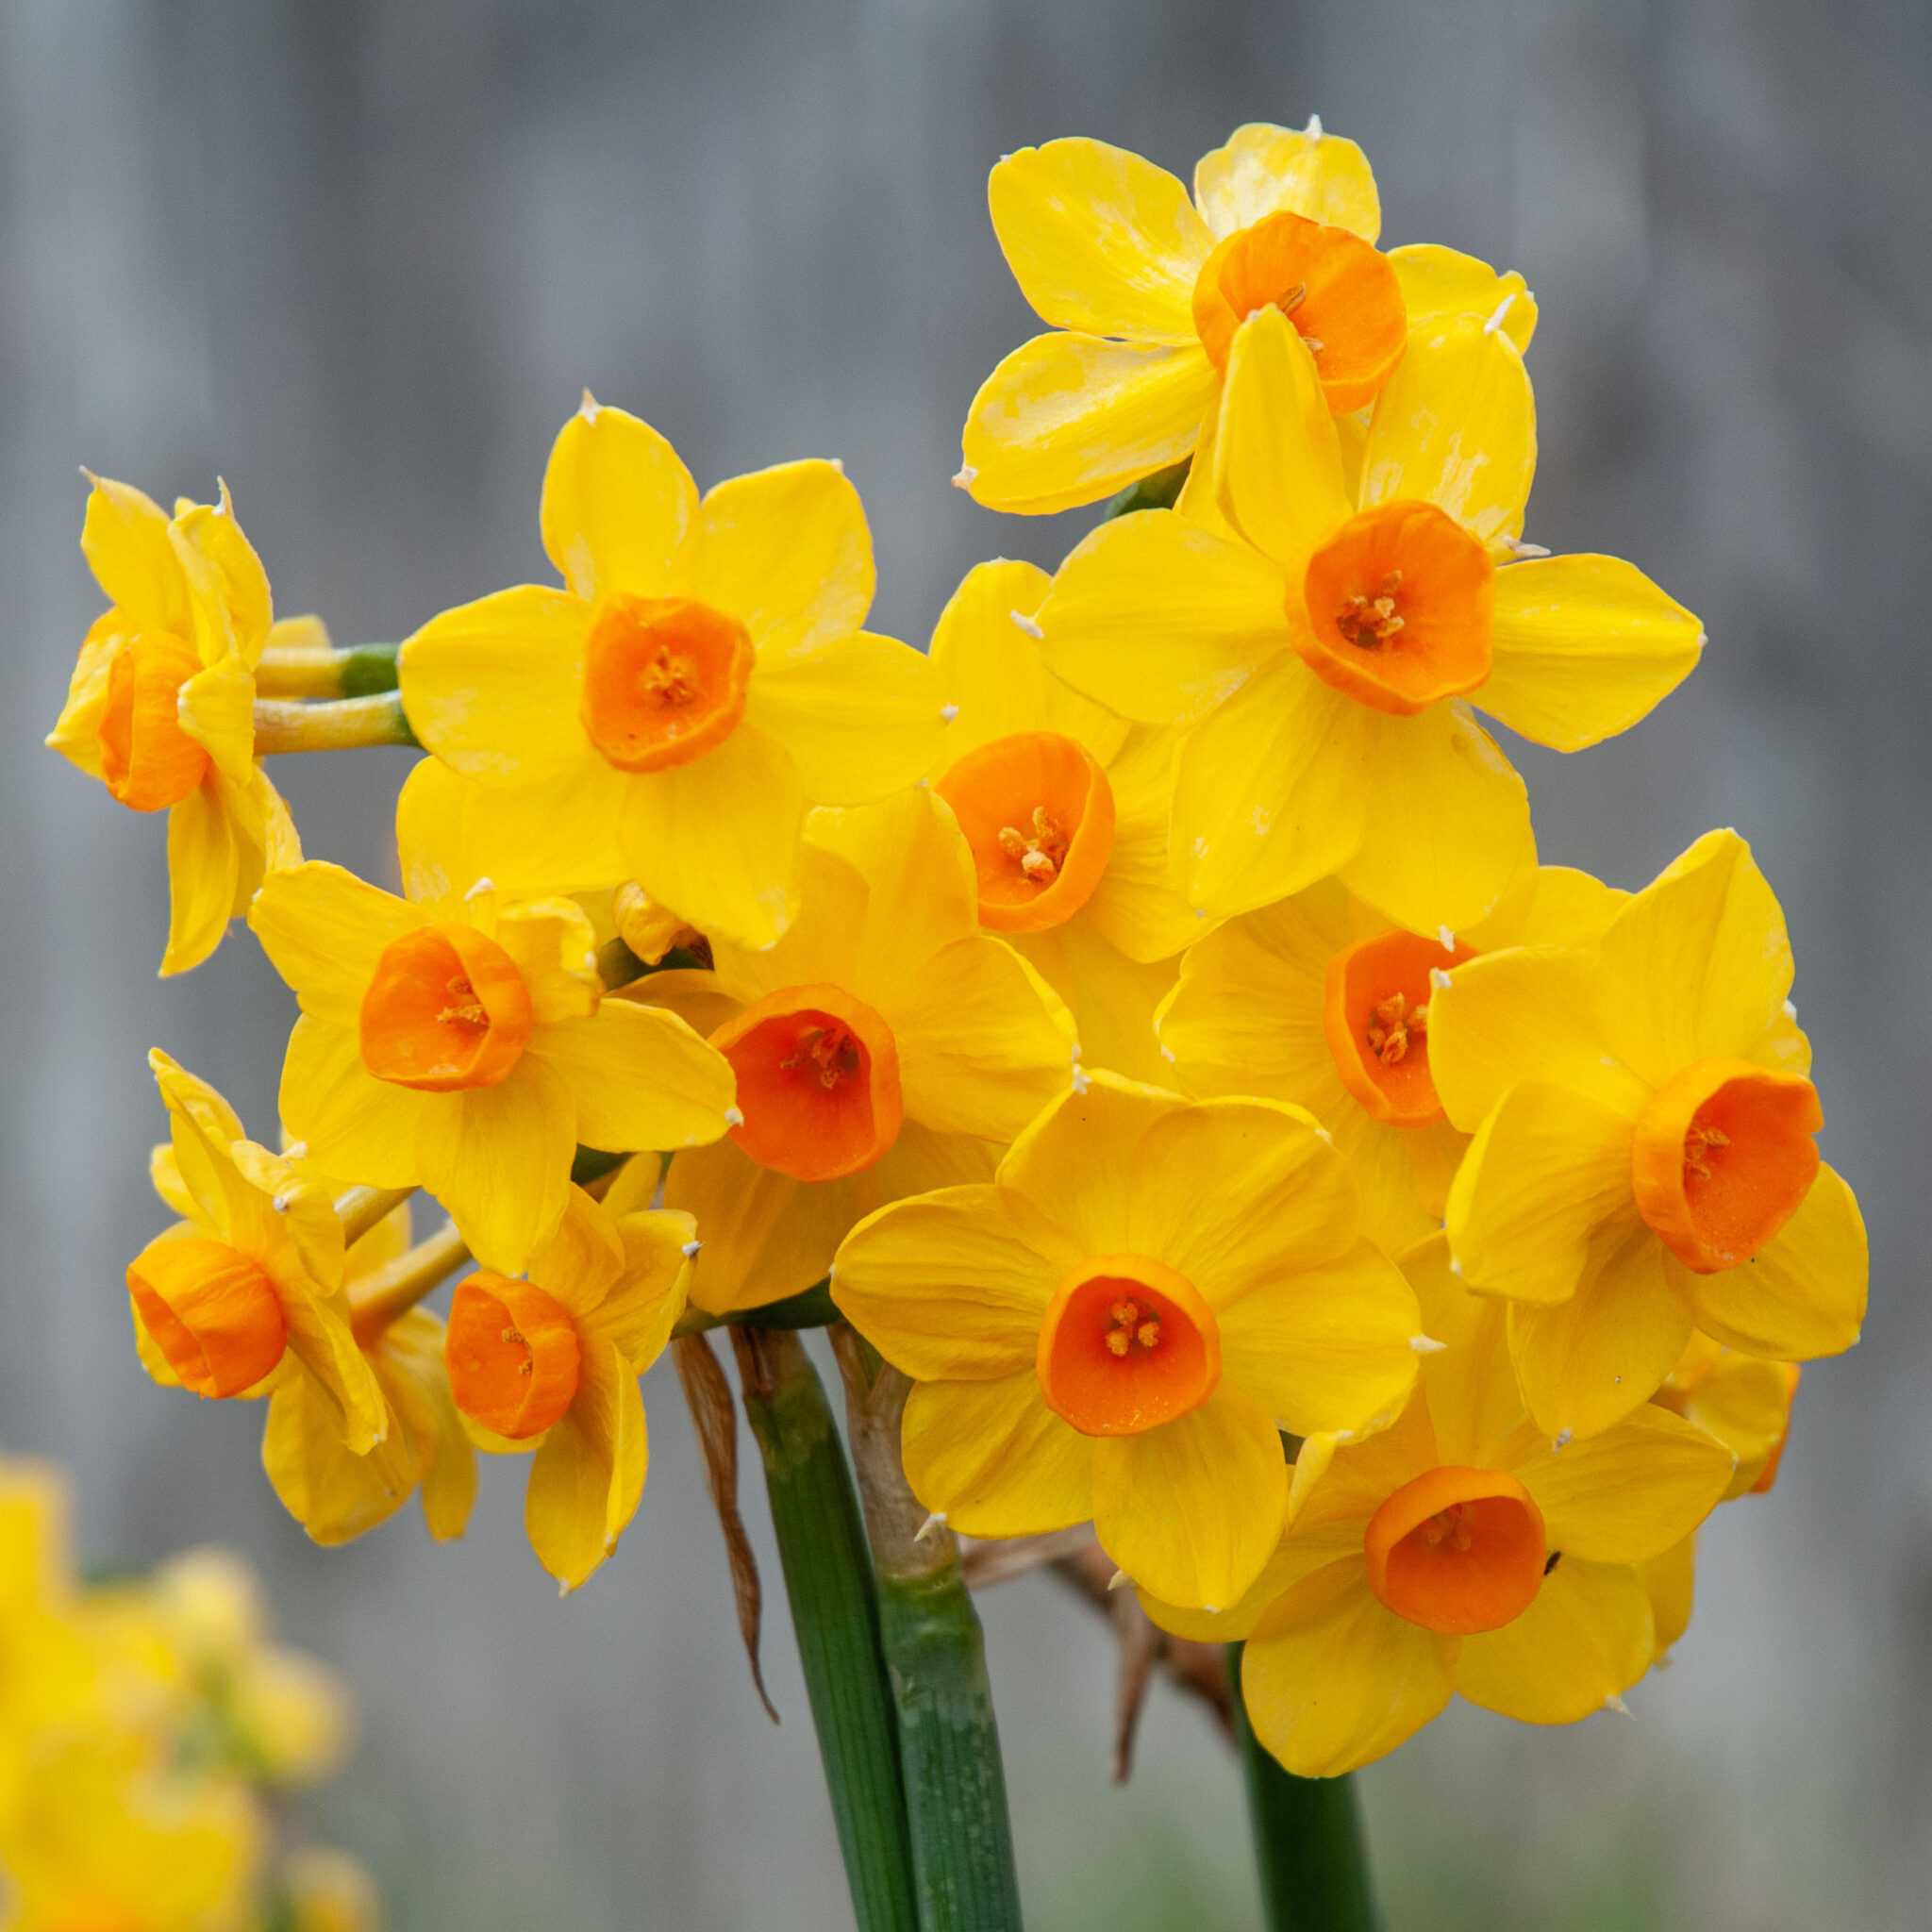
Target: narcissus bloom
{"x": 1321, "y": 1002}
{"x": 1322, "y": 648}
{"x": 336, "y": 1495}
{"x": 883, "y": 1046}
{"x": 462, "y": 1043}
{"x": 1145, "y": 289}
{"x": 1460, "y": 1551}
{"x": 1119, "y": 1325}
{"x": 249, "y": 1282}
{"x": 1064, "y": 806}
{"x": 702, "y": 679}
{"x": 551, "y": 1364}
{"x": 1644, "y": 1159}
{"x": 1742, "y": 1400}
{"x": 162, "y": 706}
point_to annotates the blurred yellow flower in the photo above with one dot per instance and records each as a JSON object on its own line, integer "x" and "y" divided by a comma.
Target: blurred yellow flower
{"x": 1644, "y": 1159}
{"x": 162, "y": 706}
{"x": 1321, "y": 647}
{"x": 1121, "y": 1323}
{"x": 1145, "y": 288}
{"x": 1742, "y": 1400}
{"x": 670, "y": 714}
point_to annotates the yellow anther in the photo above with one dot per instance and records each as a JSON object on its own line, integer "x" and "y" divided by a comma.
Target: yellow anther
{"x": 1041, "y": 852}
{"x": 829, "y": 1051}
{"x": 464, "y": 1007}
{"x": 1394, "y": 1021}
{"x": 668, "y": 680}
{"x": 1118, "y": 1341}
{"x": 1369, "y": 623}
{"x": 1698, "y": 1143}
{"x": 1147, "y": 1334}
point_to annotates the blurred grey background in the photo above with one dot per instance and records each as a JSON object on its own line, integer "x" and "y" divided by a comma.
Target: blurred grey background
{"x": 361, "y": 257}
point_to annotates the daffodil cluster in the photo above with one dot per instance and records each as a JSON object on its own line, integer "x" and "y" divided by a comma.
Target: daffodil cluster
{"x": 149, "y": 1730}
{"x": 1146, "y": 1004}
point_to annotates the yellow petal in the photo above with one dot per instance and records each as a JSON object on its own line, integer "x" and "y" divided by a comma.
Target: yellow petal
{"x": 1138, "y": 906}
{"x": 1629, "y": 1493}
{"x": 1587, "y": 1638}
{"x": 1803, "y": 1294}
{"x": 953, "y": 1286}
{"x": 718, "y": 837}
{"x": 551, "y": 835}
{"x": 1277, "y": 458}
{"x": 1471, "y": 1388}
{"x": 76, "y": 733}
{"x": 580, "y": 1263}
{"x": 333, "y": 1493}
{"x": 1446, "y": 825}
{"x": 588, "y": 1474}
{"x": 983, "y": 1042}
{"x": 1328, "y": 1348}
{"x": 1587, "y": 1363}
{"x": 1584, "y": 646}
{"x": 786, "y": 551}
{"x": 1440, "y": 284}
{"x": 355, "y": 1125}
{"x": 1160, "y": 620}
{"x": 1697, "y": 964}
{"x": 1567, "y": 907}
{"x": 493, "y": 688}
{"x": 1456, "y": 424}
{"x": 323, "y": 929}
{"x": 1076, "y": 1162}
{"x": 1193, "y": 1509}
{"x": 1273, "y": 789}
{"x": 1068, "y": 419}
{"x": 1333, "y": 1681}
{"x": 554, "y": 947}
{"x": 617, "y": 503}
{"x": 639, "y": 1313}
{"x": 1110, "y": 997}
{"x": 1521, "y": 1014}
{"x": 1296, "y": 1557}
{"x": 204, "y": 867}
{"x": 1261, "y": 168}
{"x": 639, "y": 1077}
{"x": 216, "y": 708}
{"x": 321, "y": 1343}
{"x": 1099, "y": 239}
{"x": 229, "y": 608}
{"x": 1671, "y": 1583}
{"x": 125, "y": 540}
{"x": 860, "y": 715}
{"x": 1403, "y": 1172}
{"x": 408, "y": 1362}
{"x": 884, "y": 889}
{"x": 764, "y": 1235}
{"x": 1546, "y": 1170}
{"x": 498, "y": 1158}
{"x": 994, "y": 1459}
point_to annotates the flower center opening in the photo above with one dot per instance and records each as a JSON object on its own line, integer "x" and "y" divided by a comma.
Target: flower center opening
{"x": 1375, "y": 1018}
{"x": 1338, "y": 290}
{"x": 447, "y": 1008}
{"x": 1722, "y": 1157}
{"x": 1396, "y": 608}
{"x": 147, "y": 760}
{"x": 1127, "y": 1344}
{"x": 818, "y": 1082}
{"x": 212, "y": 1310}
{"x": 664, "y": 680}
{"x": 1458, "y": 1551}
{"x": 512, "y": 1355}
{"x": 1037, "y": 814}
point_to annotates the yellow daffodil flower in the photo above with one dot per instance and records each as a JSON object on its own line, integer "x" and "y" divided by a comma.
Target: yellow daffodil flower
{"x": 1319, "y": 1002}
{"x": 1742, "y": 1400}
{"x": 1144, "y": 289}
{"x": 48, "y": 1672}
{"x": 1064, "y": 806}
{"x": 248, "y": 1284}
{"x": 1326, "y": 648}
{"x": 162, "y": 706}
{"x": 703, "y": 678}
{"x": 462, "y": 1043}
{"x": 882, "y": 1047}
{"x": 551, "y": 1364}
{"x": 1460, "y": 1551}
{"x": 1644, "y": 1159}
{"x": 1121, "y": 1323}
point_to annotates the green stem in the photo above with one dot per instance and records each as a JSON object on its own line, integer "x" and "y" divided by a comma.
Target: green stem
{"x": 811, "y": 1308}
{"x": 956, "y": 1787}
{"x": 1157, "y": 491}
{"x": 356, "y": 672}
{"x": 1308, "y": 1845}
{"x": 834, "y": 1613}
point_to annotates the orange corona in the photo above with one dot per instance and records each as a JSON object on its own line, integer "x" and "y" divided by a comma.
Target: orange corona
{"x": 1375, "y": 1018}
{"x": 147, "y": 760}
{"x": 212, "y": 1310}
{"x": 447, "y": 1008}
{"x": 1127, "y": 1344}
{"x": 512, "y": 1355}
{"x": 1458, "y": 1551}
{"x": 664, "y": 680}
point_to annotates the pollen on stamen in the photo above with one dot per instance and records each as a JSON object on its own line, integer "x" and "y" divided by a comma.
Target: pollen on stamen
{"x": 1022, "y": 621}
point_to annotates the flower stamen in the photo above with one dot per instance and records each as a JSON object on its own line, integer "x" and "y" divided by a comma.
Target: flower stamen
{"x": 1394, "y": 1023}
{"x": 1131, "y": 1324}
{"x": 464, "y": 1008}
{"x": 1369, "y": 623}
{"x": 1044, "y": 852}
{"x": 830, "y": 1050}
{"x": 1698, "y": 1141}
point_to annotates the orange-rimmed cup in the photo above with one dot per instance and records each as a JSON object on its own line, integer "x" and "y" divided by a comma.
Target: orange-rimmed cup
{"x": 512, "y": 1355}
{"x": 664, "y": 680}
{"x": 1127, "y": 1344}
{"x": 147, "y": 760}
{"x": 212, "y": 1310}
{"x": 447, "y": 1008}
{"x": 1374, "y": 1017}
{"x": 1458, "y": 1551}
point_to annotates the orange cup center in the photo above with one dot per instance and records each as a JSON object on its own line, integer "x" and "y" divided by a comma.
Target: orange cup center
{"x": 512, "y": 1355}
{"x": 447, "y": 1008}
{"x": 1338, "y": 290}
{"x": 212, "y": 1310}
{"x": 1127, "y": 1344}
{"x": 1722, "y": 1157}
{"x": 147, "y": 760}
{"x": 664, "y": 680}
{"x": 1458, "y": 1551}
{"x": 1038, "y": 813}
{"x": 1376, "y": 1016}
{"x": 818, "y": 1082}
{"x": 1399, "y": 608}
